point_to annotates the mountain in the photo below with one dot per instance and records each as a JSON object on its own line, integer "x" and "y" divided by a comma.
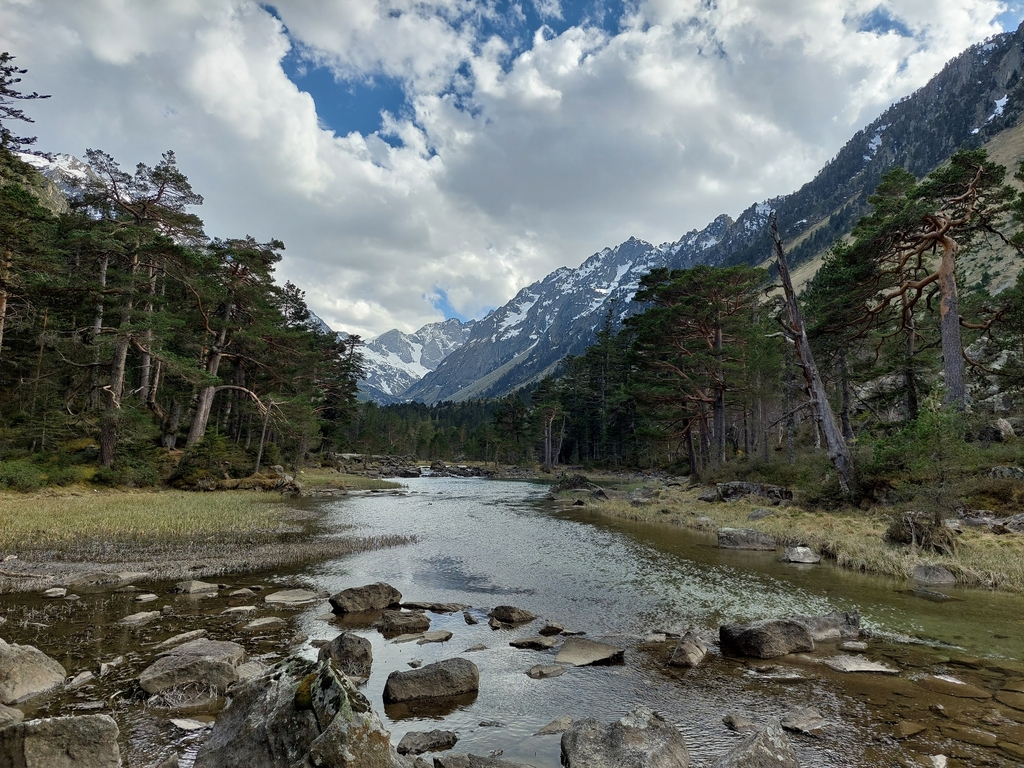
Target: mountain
{"x": 65, "y": 175}
{"x": 977, "y": 96}
{"x": 395, "y": 360}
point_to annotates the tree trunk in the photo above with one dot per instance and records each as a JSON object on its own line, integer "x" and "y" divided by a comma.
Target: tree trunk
{"x": 838, "y": 451}
{"x": 949, "y": 325}
{"x": 97, "y": 329}
{"x": 206, "y": 394}
{"x": 719, "y": 406}
{"x": 844, "y": 385}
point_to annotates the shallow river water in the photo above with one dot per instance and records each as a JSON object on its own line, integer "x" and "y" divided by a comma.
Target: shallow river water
{"x": 486, "y": 543}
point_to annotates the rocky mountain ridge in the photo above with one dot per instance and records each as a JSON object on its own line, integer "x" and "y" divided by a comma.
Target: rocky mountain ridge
{"x": 978, "y": 95}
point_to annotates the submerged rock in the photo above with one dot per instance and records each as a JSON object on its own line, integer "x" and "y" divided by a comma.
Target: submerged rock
{"x": 298, "y": 713}
{"x": 394, "y": 623}
{"x": 371, "y": 597}
{"x": 766, "y": 639}
{"x": 544, "y": 671}
{"x": 86, "y": 741}
{"x": 443, "y": 679}
{"x": 768, "y": 748}
{"x": 292, "y": 598}
{"x": 509, "y": 614}
{"x": 27, "y": 672}
{"x": 858, "y": 664}
{"x": 934, "y": 575}
{"x": 582, "y": 653}
{"x": 801, "y": 555}
{"x": 640, "y": 739}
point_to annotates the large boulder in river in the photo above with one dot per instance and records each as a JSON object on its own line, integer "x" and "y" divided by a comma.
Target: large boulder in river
{"x": 371, "y": 597}
{"x": 831, "y": 626}
{"x": 88, "y": 741}
{"x": 350, "y": 654}
{"x": 394, "y": 623}
{"x": 199, "y": 664}
{"x": 297, "y": 714}
{"x": 768, "y": 748}
{"x": 765, "y": 639}
{"x": 581, "y": 652}
{"x": 474, "y": 761}
{"x": 441, "y": 680}
{"x": 640, "y": 739}
{"x": 26, "y": 672}
{"x": 745, "y": 538}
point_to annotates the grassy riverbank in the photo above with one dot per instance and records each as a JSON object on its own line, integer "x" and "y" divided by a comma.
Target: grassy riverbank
{"x": 853, "y": 538}
{"x": 48, "y": 537}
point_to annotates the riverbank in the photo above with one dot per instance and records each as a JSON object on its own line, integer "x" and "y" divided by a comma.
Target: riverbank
{"x": 51, "y": 537}
{"x": 853, "y": 538}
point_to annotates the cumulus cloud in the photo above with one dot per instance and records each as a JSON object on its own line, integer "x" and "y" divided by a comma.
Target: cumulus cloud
{"x": 519, "y": 149}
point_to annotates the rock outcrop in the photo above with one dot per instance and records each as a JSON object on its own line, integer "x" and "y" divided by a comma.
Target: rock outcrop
{"x": 88, "y": 741}
{"x": 640, "y": 739}
{"x": 298, "y": 713}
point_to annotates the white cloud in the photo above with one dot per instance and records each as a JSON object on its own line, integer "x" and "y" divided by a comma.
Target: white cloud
{"x": 508, "y": 167}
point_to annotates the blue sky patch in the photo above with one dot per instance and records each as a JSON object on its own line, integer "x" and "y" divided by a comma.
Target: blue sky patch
{"x": 881, "y": 22}
{"x": 439, "y": 300}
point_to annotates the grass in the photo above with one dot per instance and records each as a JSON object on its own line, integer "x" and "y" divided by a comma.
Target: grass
{"x": 318, "y": 479}
{"x": 853, "y": 538}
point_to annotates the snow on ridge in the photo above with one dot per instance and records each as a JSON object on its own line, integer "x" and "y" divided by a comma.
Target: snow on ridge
{"x": 513, "y": 318}
{"x": 1000, "y": 105}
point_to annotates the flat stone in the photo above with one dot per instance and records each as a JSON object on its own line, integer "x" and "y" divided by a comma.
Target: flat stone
{"x": 434, "y": 607}
{"x": 80, "y": 679}
{"x": 551, "y": 628}
{"x": 187, "y": 724}
{"x": 55, "y": 592}
{"x": 858, "y": 664}
{"x": 558, "y": 725}
{"x": 544, "y": 671}
{"x": 146, "y": 597}
{"x": 203, "y": 662}
{"x": 101, "y": 580}
{"x": 193, "y": 587}
{"x": 952, "y": 687}
{"x": 394, "y": 623}
{"x": 904, "y": 729}
{"x": 239, "y": 610}
{"x": 83, "y": 741}
{"x": 803, "y": 720}
{"x": 853, "y": 645}
{"x": 1012, "y": 699}
{"x": 243, "y": 592}
{"x": 139, "y": 619}
{"x": 535, "y": 642}
{"x": 267, "y": 622}
{"x": 184, "y": 637}
{"x": 801, "y": 555}
{"x": 578, "y": 652}
{"x": 288, "y": 598}
{"x": 969, "y": 735}
{"x": 435, "y": 636}
{"x": 418, "y": 742}
{"x": 474, "y": 648}
{"x": 932, "y": 574}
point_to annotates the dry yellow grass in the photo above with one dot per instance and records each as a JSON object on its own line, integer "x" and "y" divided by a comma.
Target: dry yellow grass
{"x": 329, "y": 478}
{"x": 853, "y": 538}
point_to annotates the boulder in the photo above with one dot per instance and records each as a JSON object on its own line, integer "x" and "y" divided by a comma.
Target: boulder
{"x": 418, "y": 742}
{"x": 760, "y": 513}
{"x": 292, "y": 598}
{"x": 640, "y": 739}
{"x": 27, "y": 672}
{"x": 474, "y": 761}
{"x": 551, "y": 628}
{"x": 765, "y": 639}
{"x": 443, "y": 679}
{"x": 350, "y": 654}
{"x": 744, "y": 538}
{"x": 801, "y": 555}
{"x": 509, "y": 614}
{"x": 10, "y": 716}
{"x": 709, "y": 495}
{"x": 535, "y": 643}
{"x": 831, "y": 626}
{"x": 1009, "y": 473}
{"x": 394, "y": 623}
{"x": 738, "y": 489}
{"x": 739, "y": 723}
{"x": 768, "y": 748}
{"x": 932, "y": 574}
{"x": 689, "y": 652}
{"x": 199, "y": 664}
{"x": 434, "y": 636}
{"x": 298, "y": 713}
{"x": 580, "y": 652}
{"x": 372, "y": 597}
{"x": 87, "y": 741}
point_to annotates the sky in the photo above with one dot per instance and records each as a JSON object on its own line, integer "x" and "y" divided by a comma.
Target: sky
{"x": 425, "y": 159}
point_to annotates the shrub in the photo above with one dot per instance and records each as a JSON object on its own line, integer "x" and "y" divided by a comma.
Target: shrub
{"x": 21, "y": 475}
